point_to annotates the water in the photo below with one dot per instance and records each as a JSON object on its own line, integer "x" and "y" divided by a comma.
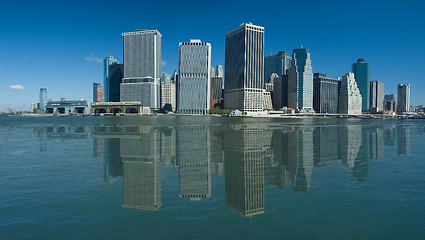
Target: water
{"x": 211, "y": 178}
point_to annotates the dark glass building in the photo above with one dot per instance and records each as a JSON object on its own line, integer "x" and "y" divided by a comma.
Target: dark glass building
{"x": 114, "y": 80}
{"x": 325, "y": 94}
{"x": 361, "y": 74}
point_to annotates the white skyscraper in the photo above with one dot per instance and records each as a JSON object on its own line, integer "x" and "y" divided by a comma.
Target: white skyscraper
{"x": 193, "y": 90}
{"x": 142, "y": 67}
{"x": 350, "y": 100}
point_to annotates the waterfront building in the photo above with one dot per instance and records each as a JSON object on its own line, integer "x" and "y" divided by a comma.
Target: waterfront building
{"x": 362, "y": 74}
{"x": 350, "y": 99}
{"x": 280, "y": 92}
{"x": 390, "y": 103}
{"x": 277, "y": 63}
{"x": 109, "y": 60}
{"x": 300, "y": 81}
{"x": 376, "y": 96}
{"x": 115, "y": 75}
{"x": 193, "y": 87}
{"x": 216, "y": 92}
{"x": 34, "y": 106}
{"x": 325, "y": 94}
{"x": 403, "y": 98}
{"x": 7, "y": 110}
{"x": 244, "y": 72}
{"x": 43, "y": 98}
{"x": 168, "y": 95}
{"x": 72, "y": 107}
{"x": 142, "y": 67}
{"x": 219, "y": 71}
{"x": 97, "y": 92}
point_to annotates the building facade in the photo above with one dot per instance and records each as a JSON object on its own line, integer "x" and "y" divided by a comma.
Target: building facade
{"x": 71, "y": 107}
{"x": 216, "y": 92}
{"x": 244, "y": 72}
{"x": 361, "y": 73}
{"x": 193, "y": 87}
{"x": 376, "y": 96}
{"x": 97, "y": 92}
{"x": 350, "y": 99}
{"x": 403, "y": 98}
{"x": 168, "y": 95}
{"x": 276, "y": 63}
{"x": 109, "y": 60}
{"x": 325, "y": 94}
{"x": 300, "y": 81}
{"x": 219, "y": 71}
{"x": 390, "y": 103}
{"x": 142, "y": 67}
{"x": 115, "y": 76}
{"x": 43, "y": 98}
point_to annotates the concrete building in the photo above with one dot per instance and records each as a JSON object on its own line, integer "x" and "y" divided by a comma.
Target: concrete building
{"x": 390, "y": 103}
{"x": 168, "y": 95}
{"x": 376, "y": 96}
{"x": 325, "y": 94}
{"x": 300, "y": 81}
{"x": 277, "y": 63}
{"x": 362, "y": 74}
{"x": 42, "y": 98}
{"x": 350, "y": 99}
{"x": 71, "y": 107}
{"x": 193, "y": 87}
{"x": 403, "y": 98}
{"x": 142, "y": 67}
{"x": 219, "y": 71}
{"x": 244, "y": 72}
{"x": 109, "y": 60}
{"x": 97, "y": 92}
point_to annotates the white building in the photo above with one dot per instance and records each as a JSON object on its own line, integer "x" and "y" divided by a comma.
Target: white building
{"x": 194, "y": 87}
{"x": 350, "y": 100}
{"x": 168, "y": 95}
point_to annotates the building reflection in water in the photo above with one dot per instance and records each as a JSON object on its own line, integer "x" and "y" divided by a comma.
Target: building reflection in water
{"x": 249, "y": 155}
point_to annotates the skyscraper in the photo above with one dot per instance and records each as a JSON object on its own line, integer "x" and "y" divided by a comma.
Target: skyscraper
{"x": 350, "y": 100}
{"x": 361, "y": 73}
{"x": 114, "y": 81}
{"x": 325, "y": 94}
{"x": 142, "y": 67}
{"x": 109, "y": 60}
{"x": 43, "y": 98}
{"x": 403, "y": 98}
{"x": 300, "y": 81}
{"x": 193, "y": 88}
{"x": 376, "y": 96}
{"x": 276, "y": 63}
{"x": 219, "y": 71}
{"x": 390, "y": 103}
{"x": 244, "y": 72}
{"x": 97, "y": 92}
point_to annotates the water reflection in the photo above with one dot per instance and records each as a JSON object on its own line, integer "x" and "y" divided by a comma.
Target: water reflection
{"x": 248, "y": 155}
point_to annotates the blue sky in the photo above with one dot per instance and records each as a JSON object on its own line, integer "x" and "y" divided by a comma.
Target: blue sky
{"x": 57, "y": 44}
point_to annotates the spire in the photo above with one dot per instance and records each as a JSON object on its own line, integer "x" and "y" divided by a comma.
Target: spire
{"x": 301, "y": 44}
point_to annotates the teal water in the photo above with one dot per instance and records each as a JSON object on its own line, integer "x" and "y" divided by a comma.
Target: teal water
{"x": 181, "y": 177}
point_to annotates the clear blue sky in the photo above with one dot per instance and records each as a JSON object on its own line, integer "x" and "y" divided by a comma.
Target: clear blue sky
{"x": 55, "y": 44}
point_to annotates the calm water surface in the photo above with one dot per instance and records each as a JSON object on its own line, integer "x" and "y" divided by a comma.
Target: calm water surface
{"x": 211, "y": 178}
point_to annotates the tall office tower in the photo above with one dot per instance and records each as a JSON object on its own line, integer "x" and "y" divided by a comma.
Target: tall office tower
{"x": 403, "y": 98}
{"x": 216, "y": 96}
{"x": 244, "y": 72}
{"x": 350, "y": 100}
{"x": 325, "y": 94}
{"x": 193, "y": 87}
{"x": 212, "y": 72}
{"x": 376, "y": 96}
{"x": 390, "y": 103}
{"x": 361, "y": 73}
{"x": 142, "y": 67}
{"x": 300, "y": 81}
{"x": 109, "y": 60}
{"x": 168, "y": 95}
{"x": 193, "y": 157}
{"x": 277, "y": 63}
{"x": 280, "y": 92}
{"x": 219, "y": 71}
{"x": 7, "y": 110}
{"x": 114, "y": 82}
{"x": 97, "y": 92}
{"x": 43, "y": 98}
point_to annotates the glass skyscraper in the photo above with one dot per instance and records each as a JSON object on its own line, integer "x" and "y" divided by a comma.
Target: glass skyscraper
{"x": 300, "y": 81}
{"x": 193, "y": 87}
{"x": 325, "y": 95}
{"x": 403, "y": 98}
{"x": 276, "y": 63}
{"x": 106, "y": 63}
{"x": 142, "y": 67}
{"x": 244, "y": 68}
{"x": 43, "y": 98}
{"x": 361, "y": 74}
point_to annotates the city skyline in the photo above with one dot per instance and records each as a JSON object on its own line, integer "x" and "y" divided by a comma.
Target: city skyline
{"x": 74, "y": 49}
